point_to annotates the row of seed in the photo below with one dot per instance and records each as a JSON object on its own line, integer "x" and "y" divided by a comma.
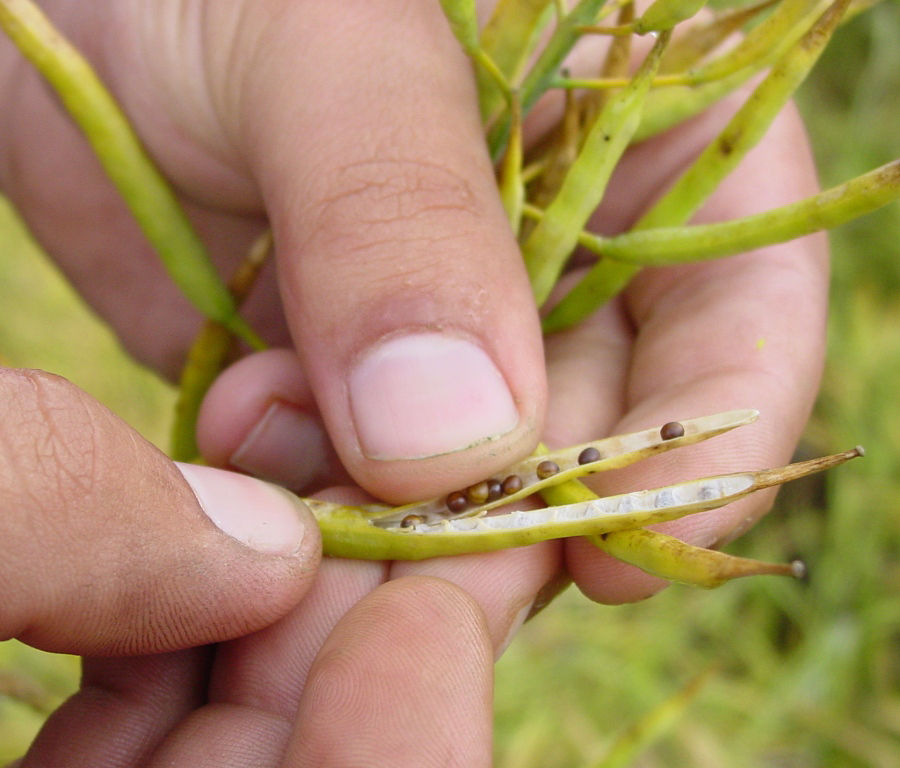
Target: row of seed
{"x": 493, "y": 489}
{"x": 524, "y": 478}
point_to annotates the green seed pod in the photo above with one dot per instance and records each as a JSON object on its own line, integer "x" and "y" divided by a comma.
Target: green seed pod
{"x": 665, "y": 14}
{"x": 463, "y": 21}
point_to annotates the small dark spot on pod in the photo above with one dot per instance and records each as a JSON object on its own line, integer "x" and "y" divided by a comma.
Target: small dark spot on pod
{"x": 589, "y": 455}
{"x": 511, "y": 485}
{"x": 546, "y": 469}
{"x": 478, "y": 493}
{"x": 410, "y": 520}
{"x": 495, "y": 489}
{"x": 671, "y": 430}
{"x": 457, "y": 502}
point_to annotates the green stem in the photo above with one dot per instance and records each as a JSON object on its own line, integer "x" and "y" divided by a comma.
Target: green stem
{"x": 746, "y": 128}
{"x": 711, "y": 82}
{"x": 553, "y": 239}
{"x": 700, "y": 39}
{"x": 607, "y": 278}
{"x": 209, "y": 354}
{"x": 146, "y": 192}
{"x": 540, "y": 76}
{"x": 508, "y": 39}
{"x": 664, "y": 246}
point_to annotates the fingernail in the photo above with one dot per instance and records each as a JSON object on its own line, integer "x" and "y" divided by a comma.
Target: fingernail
{"x": 260, "y": 515}
{"x": 287, "y": 446}
{"x": 425, "y": 394}
{"x": 514, "y": 627}
{"x": 546, "y": 594}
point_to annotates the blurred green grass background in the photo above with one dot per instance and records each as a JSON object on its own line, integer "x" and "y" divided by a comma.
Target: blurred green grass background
{"x": 800, "y": 675}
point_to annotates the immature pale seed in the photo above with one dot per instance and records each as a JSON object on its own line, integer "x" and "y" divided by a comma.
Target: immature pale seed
{"x": 671, "y": 430}
{"x": 457, "y": 502}
{"x": 478, "y": 493}
{"x": 511, "y": 485}
{"x": 589, "y": 455}
{"x": 546, "y": 469}
{"x": 495, "y": 489}
{"x": 410, "y": 520}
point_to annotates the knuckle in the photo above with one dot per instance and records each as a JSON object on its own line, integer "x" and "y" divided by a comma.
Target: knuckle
{"x": 372, "y": 205}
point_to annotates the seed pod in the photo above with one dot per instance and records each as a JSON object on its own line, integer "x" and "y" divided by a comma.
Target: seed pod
{"x": 522, "y": 478}
{"x": 665, "y": 14}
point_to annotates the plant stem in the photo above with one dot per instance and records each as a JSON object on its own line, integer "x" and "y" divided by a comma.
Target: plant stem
{"x": 664, "y": 246}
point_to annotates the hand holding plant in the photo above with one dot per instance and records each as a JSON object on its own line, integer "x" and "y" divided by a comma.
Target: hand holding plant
{"x": 392, "y": 245}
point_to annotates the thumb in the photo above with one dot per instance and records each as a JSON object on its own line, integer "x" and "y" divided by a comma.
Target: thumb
{"x": 402, "y": 283}
{"x": 109, "y": 548}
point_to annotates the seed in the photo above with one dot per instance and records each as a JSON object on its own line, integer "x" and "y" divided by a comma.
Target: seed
{"x": 478, "y": 493}
{"x": 511, "y": 485}
{"x": 589, "y": 455}
{"x": 410, "y": 520}
{"x": 495, "y": 489}
{"x": 546, "y": 469}
{"x": 457, "y": 502}
{"x": 671, "y": 430}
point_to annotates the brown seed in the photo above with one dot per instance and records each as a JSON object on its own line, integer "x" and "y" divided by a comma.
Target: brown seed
{"x": 457, "y": 502}
{"x": 478, "y": 493}
{"x": 589, "y": 455}
{"x": 410, "y": 520}
{"x": 546, "y": 469}
{"x": 495, "y": 489}
{"x": 671, "y": 430}
{"x": 511, "y": 485}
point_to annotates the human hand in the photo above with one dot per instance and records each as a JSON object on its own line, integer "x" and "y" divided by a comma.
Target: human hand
{"x": 422, "y": 187}
{"x": 107, "y": 553}
{"x": 247, "y": 141}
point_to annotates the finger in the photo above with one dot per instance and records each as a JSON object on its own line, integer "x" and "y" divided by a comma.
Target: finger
{"x": 123, "y": 709}
{"x": 402, "y": 283}
{"x": 383, "y": 684}
{"x": 107, "y": 547}
{"x": 504, "y": 584}
{"x": 742, "y": 332}
{"x": 587, "y": 372}
{"x": 260, "y": 417}
{"x": 268, "y": 670}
